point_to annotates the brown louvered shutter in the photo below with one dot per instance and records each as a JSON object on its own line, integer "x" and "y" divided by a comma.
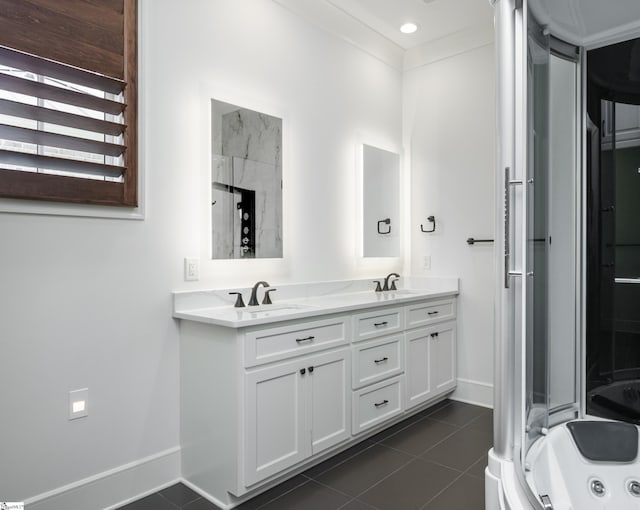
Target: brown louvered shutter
{"x": 68, "y": 100}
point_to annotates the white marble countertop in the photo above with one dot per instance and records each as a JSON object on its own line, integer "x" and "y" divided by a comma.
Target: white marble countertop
{"x": 300, "y": 301}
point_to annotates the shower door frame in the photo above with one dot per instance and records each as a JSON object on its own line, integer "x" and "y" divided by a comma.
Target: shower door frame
{"x": 577, "y": 55}
{"x": 511, "y": 291}
{"x": 575, "y": 409}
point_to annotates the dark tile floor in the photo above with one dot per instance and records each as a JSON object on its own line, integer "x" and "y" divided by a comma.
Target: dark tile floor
{"x": 432, "y": 461}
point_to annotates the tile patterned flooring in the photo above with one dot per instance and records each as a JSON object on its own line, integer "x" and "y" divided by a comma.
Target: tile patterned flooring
{"x": 431, "y": 461}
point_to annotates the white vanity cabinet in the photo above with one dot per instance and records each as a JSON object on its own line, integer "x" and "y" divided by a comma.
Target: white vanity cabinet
{"x": 431, "y": 362}
{"x": 378, "y": 356}
{"x": 431, "y": 350}
{"x": 294, "y": 410}
{"x": 265, "y": 401}
{"x": 377, "y": 359}
{"x": 298, "y": 407}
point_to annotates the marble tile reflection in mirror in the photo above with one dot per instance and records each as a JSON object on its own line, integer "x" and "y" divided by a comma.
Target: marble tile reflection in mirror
{"x": 381, "y": 202}
{"x": 246, "y": 183}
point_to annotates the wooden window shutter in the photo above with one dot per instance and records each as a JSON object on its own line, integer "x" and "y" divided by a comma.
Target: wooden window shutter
{"x": 68, "y": 101}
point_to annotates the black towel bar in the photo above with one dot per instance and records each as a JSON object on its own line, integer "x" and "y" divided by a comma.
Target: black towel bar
{"x": 471, "y": 240}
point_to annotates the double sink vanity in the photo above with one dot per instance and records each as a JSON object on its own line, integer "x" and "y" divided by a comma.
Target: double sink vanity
{"x": 269, "y": 390}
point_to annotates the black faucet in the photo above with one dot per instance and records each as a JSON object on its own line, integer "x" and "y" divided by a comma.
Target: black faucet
{"x": 239, "y": 301}
{"x": 393, "y": 283}
{"x": 253, "y": 301}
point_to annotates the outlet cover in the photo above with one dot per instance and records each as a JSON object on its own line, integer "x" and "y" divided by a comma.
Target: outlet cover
{"x": 191, "y": 269}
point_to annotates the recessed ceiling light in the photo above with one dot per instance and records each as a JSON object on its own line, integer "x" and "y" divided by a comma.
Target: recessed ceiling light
{"x": 408, "y": 28}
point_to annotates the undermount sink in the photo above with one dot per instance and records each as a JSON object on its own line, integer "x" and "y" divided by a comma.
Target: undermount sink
{"x": 262, "y": 311}
{"x": 395, "y": 294}
{"x": 270, "y": 310}
{"x": 355, "y": 298}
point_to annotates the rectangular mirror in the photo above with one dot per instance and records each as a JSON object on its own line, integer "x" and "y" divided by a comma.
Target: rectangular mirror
{"x": 381, "y": 202}
{"x": 246, "y": 183}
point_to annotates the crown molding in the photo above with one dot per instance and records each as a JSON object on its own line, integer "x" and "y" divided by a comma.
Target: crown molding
{"x": 335, "y": 21}
{"x": 449, "y": 46}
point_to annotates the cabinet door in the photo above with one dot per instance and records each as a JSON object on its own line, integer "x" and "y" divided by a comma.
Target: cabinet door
{"x": 276, "y": 433}
{"x": 418, "y": 364}
{"x": 329, "y": 379}
{"x": 443, "y": 357}
{"x": 431, "y": 362}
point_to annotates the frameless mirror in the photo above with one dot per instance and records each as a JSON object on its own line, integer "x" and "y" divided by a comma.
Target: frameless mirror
{"x": 381, "y": 202}
{"x": 246, "y": 183}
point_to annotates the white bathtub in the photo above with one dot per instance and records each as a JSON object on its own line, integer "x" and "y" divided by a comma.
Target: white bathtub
{"x": 557, "y": 469}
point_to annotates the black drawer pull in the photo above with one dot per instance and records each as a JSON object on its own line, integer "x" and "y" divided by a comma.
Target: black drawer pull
{"x": 308, "y": 339}
{"x": 382, "y": 360}
{"x": 432, "y": 313}
{"x": 433, "y": 335}
{"x": 379, "y": 324}
{"x": 303, "y": 371}
{"x": 311, "y": 370}
{"x": 380, "y": 404}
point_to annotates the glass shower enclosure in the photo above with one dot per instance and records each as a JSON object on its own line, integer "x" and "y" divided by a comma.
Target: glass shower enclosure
{"x": 551, "y": 241}
{"x": 539, "y": 301}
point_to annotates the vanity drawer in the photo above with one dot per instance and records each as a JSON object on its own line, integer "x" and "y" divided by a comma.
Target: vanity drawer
{"x": 378, "y": 359}
{"x": 377, "y": 323}
{"x": 377, "y": 403}
{"x": 428, "y": 313}
{"x": 273, "y": 344}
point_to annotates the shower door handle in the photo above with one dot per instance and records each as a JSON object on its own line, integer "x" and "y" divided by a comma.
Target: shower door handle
{"x": 507, "y": 226}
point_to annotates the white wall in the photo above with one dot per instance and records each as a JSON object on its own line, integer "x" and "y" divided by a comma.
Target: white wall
{"x": 449, "y": 133}
{"x": 331, "y": 96}
{"x": 86, "y": 302}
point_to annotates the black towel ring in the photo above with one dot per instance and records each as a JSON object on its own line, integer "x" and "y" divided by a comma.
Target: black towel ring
{"x": 431, "y": 219}
{"x": 386, "y": 221}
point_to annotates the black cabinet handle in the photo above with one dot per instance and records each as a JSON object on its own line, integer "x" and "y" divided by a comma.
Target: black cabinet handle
{"x": 303, "y": 371}
{"x": 432, "y": 313}
{"x": 382, "y": 360}
{"x": 379, "y": 324}
{"x": 311, "y": 370}
{"x": 380, "y": 404}
{"x": 308, "y": 339}
{"x": 433, "y": 335}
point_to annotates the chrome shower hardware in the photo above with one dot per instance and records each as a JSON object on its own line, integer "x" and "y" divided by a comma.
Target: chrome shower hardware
{"x": 597, "y": 488}
{"x": 546, "y": 502}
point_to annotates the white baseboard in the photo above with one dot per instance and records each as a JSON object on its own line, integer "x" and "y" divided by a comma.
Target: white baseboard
{"x": 474, "y": 392}
{"x": 115, "y": 487}
{"x": 206, "y": 495}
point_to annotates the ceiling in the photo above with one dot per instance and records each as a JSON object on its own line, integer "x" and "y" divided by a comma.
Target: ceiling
{"x": 435, "y": 18}
{"x": 589, "y": 22}
{"x": 373, "y": 25}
